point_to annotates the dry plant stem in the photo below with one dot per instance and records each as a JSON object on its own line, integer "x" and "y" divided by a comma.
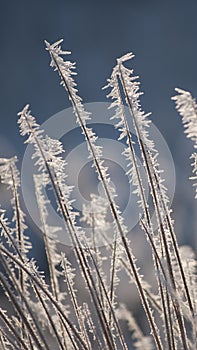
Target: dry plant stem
{"x": 58, "y": 197}
{"x": 53, "y": 277}
{"x": 69, "y": 224}
{"x": 97, "y": 166}
{"x": 37, "y": 307}
{"x": 20, "y": 312}
{"x": 171, "y": 325}
{"x": 90, "y": 283}
{"x": 12, "y": 330}
{"x": 18, "y": 216}
{"x": 31, "y": 343}
{"x": 167, "y": 317}
{"x": 108, "y": 301}
{"x": 9, "y": 236}
{"x": 84, "y": 266}
{"x": 175, "y": 246}
{"x": 96, "y": 253}
{"x": 134, "y": 159}
{"x": 2, "y": 342}
{"x": 76, "y": 243}
{"x": 75, "y": 305}
{"x": 162, "y": 230}
{"x": 92, "y": 327}
{"x": 142, "y": 195}
{"x": 95, "y": 297}
{"x": 73, "y": 235}
{"x": 36, "y": 281}
{"x": 113, "y": 269}
{"x": 19, "y": 232}
{"x": 150, "y": 296}
{"x": 115, "y": 85}
{"x": 49, "y": 318}
{"x": 167, "y": 313}
{"x": 175, "y": 302}
{"x": 187, "y": 108}
{"x": 152, "y": 299}
{"x": 80, "y": 254}
{"x": 20, "y": 238}
{"x": 113, "y": 210}
{"x": 165, "y": 208}
{"x": 89, "y": 280}
{"x": 8, "y": 342}
{"x": 23, "y": 306}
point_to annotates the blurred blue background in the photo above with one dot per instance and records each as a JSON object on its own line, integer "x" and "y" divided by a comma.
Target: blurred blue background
{"x": 162, "y": 35}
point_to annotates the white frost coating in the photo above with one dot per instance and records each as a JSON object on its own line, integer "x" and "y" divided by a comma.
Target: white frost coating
{"x": 186, "y": 106}
{"x": 65, "y": 70}
{"x": 10, "y": 176}
{"x": 50, "y": 164}
{"x": 50, "y": 239}
{"x": 149, "y": 154}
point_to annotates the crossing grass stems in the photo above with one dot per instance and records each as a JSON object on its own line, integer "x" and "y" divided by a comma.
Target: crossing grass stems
{"x": 50, "y": 314}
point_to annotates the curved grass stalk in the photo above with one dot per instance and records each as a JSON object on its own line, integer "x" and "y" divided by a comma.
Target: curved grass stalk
{"x": 175, "y": 268}
{"x": 47, "y": 162}
{"x": 69, "y": 276}
{"x": 11, "y": 177}
{"x": 65, "y": 71}
{"x": 33, "y": 275}
{"x": 136, "y": 179}
{"x": 13, "y": 331}
{"x": 50, "y": 247}
{"x": 140, "y": 122}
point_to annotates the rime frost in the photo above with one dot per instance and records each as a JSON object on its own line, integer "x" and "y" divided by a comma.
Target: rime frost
{"x": 56, "y": 314}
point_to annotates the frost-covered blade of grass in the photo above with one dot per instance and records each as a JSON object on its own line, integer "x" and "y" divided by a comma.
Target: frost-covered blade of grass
{"x": 65, "y": 70}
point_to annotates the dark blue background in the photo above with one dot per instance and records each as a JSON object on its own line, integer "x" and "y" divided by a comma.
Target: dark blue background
{"x": 163, "y": 36}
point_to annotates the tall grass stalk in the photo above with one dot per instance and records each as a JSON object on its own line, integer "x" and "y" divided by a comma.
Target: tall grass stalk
{"x": 43, "y": 314}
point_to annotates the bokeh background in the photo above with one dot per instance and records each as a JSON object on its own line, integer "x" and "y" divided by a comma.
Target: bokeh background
{"x": 162, "y": 35}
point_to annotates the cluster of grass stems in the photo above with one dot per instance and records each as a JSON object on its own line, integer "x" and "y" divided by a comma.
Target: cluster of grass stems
{"x": 48, "y": 316}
